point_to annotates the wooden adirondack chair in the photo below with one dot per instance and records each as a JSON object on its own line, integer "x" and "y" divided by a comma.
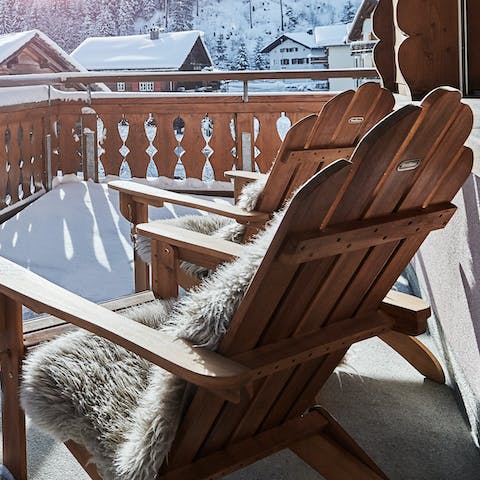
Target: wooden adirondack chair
{"x": 344, "y": 240}
{"x": 309, "y": 145}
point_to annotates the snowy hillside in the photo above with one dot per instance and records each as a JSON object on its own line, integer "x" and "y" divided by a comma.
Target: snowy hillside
{"x": 235, "y": 30}
{"x": 228, "y": 24}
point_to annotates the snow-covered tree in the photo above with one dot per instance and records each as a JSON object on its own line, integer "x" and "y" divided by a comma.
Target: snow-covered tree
{"x": 126, "y": 17}
{"x": 291, "y": 19}
{"x": 241, "y": 59}
{"x": 260, "y": 60}
{"x": 220, "y": 53}
{"x": 4, "y": 14}
{"x": 180, "y": 15}
{"x": 105, "y": 23}
{"x": 348, "y": 13}
{"x": 14, "y": 15}
{"x": 149, "y": 8}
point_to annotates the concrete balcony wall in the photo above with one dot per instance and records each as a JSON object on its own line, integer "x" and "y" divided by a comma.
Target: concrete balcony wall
{"x": 448, "y": 268}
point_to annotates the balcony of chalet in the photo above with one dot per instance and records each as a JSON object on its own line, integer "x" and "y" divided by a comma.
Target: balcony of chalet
{"x": 60, "y": 148}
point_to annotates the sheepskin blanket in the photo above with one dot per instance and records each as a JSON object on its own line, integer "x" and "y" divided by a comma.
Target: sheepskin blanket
{"x": 215, "y": 225}
{"x": 123, "y": 409}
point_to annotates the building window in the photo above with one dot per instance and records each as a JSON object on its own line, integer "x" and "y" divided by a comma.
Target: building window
{"x": 146, "y": 86}
{"x": 299, "y": 61}
{"x": 120, "y": 86}
{"x": 284, "y": 61}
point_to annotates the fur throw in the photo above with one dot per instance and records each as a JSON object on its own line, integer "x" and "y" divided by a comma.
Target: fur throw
{"x": 123, "y": 409}
{"x": 215, "y": 225}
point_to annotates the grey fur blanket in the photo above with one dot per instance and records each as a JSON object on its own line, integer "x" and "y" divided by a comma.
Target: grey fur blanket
{"x": 123, "y": 409}
{"x": 215, "y": 225}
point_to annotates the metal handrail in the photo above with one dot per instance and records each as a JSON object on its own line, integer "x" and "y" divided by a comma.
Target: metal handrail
{"x": 65, "y": 78}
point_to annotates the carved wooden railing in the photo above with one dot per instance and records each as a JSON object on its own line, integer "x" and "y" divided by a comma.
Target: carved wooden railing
{"x": 185, "y": 134}
{"x": 22, "y": 160}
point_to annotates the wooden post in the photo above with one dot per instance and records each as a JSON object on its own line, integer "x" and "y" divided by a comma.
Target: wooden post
{"x": 245, "y": 141}
{"x": 13, "y": 417}
{"x": 89, "y": 146}
{"x": 136, "y": 213}
{"x": 164, "y": 270}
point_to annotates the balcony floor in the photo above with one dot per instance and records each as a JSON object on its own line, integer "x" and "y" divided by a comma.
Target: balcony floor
{"x": 411, "y": 427}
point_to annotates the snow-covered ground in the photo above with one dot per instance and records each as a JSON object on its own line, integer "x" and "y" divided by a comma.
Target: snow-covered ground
{"x": 76, "y": 237}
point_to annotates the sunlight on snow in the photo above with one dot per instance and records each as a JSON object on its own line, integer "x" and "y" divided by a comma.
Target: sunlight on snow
{"x": 67, "y": 241}
{"x": 98, "y": 247}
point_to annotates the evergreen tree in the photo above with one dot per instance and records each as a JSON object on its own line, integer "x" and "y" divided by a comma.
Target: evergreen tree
{"x": 149, "y": 8}
{"x": 180, "y": 15}
{"x": 4, "y": 14}
{"x": 220, "y": 54}
{"x": 261, "y": 61}
{"x": 126, "y": 18}
{"x": 105, "y": 23}
{"x": 291, "y": 19}
{"x": 15, "y": 16}
{"x": 241, "y": 59}
{"x": 348, "y": 13}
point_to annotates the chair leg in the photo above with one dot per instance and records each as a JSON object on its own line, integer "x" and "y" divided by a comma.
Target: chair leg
{"x": 336, "y": 455}
{"x": 416, "y": 353}
{"x": 13, "y": 416}
{"x": 82, "y": 456}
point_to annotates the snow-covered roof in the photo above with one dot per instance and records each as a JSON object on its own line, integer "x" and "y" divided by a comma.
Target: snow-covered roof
{"x": 323, "y": 36}
{"x": 10, "y": 43}
{"x": 303, "y": 38}
{"x": 328, "y": 35}
{"x": 137, "y": 52}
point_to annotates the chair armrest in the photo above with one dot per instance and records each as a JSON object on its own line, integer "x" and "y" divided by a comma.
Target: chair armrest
{"x": 197, "y": 365}
{"x": 156, "y": 197}
{"x": 410, "y": 313}
{"x": 183, "y": 239}
{"x": 241, "y": 178}
{"x": 245, "y": 175}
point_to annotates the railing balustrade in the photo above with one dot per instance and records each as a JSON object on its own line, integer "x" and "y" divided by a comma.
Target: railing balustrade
{"x": 171, "y": 134}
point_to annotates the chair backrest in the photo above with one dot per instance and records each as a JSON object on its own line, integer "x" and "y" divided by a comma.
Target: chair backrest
{"x": 317, "y": 140}
{"x": 374, "y": 210}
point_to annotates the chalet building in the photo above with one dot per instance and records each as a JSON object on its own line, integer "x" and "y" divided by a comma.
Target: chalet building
{"x": 34, "y": 52}
{"x": 292, "y": 51}
{"x": 323, "y": 47}
{"x": 156, "y": 51}
{"x": 361, "y": 36}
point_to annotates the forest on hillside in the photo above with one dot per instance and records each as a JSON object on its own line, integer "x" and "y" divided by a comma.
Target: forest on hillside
{"x": 235, "y": 30}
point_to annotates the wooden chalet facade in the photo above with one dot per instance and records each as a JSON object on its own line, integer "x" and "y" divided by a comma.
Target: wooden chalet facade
{"x": 32, "y": 52}
{"x": 156, "y": 52}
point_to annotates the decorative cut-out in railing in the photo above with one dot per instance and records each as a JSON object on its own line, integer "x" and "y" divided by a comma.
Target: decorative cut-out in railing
{"x": 125, "y": 170}
{"x": 8, "y": 166}
{"x": 151, "y": 127}
{"x": 31, "y": 159}
{"x": 283, "y": 125}
{"x": 256, "y": 150}
{"x": 179, "y": 132}
{"x": 123, "y": 131}
{"x": 101, "y": 135}
{"x": 233, "y": 150}
{"x": 207, "y": 129}
{"x": 20, "y": 162}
